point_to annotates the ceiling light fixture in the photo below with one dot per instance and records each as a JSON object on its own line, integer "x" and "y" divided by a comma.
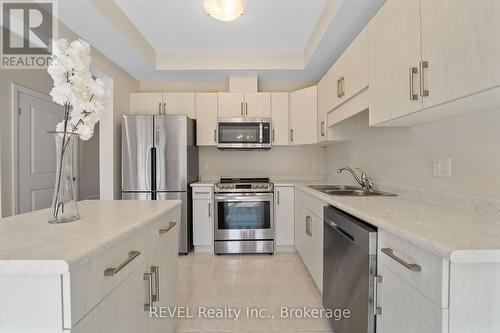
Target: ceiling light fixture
{"x": 224, "y": 10}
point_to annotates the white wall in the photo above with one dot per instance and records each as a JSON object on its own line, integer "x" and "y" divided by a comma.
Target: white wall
{"x": 279, "y": 162}
{"x": 39, "y": 80}
{"x": 403, "y": 156}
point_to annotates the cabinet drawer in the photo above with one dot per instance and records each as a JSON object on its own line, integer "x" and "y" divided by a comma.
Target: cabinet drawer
{"x": 310, "y": 202}
{"x": 87, "y": 283}
{"x": 405, "y": 309}
{"x": 204, "y": 192}
{"x": 431, "y": 280}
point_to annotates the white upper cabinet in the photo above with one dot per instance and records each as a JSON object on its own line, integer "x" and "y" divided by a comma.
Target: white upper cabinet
{"x": 394, "y": 42}
{"x": 333, "y": 95}
{"x": 461, "y": 43}
{"x": 304, "y": 116}
{"x": 237, "y": 105}
{"x": 431, "y": 60}
{"x": 279, "y": 115}
{"x": 322, "y": 95}
{"x": 258, "y": 105}
{"x": 145, "y": 103}
{"x": 231, "y": 105}
{"x": 179, "y": 103}
{"x": 206, "y": 119}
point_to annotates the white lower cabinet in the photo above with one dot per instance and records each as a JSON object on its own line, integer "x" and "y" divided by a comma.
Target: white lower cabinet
{"x": 309, "y": 239}
{"x": 153, "y": 283}
{"x": 203, "y": 219}
{"x": 405, "y": 309}
{"x": 122, "y": 311}
{"x": 284, "y": 215}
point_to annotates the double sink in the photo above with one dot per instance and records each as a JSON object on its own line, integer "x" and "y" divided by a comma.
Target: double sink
{"x": 349, "y": 191}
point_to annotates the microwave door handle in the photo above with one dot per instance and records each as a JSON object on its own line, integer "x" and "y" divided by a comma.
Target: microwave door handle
{"x": 261, "y": 130}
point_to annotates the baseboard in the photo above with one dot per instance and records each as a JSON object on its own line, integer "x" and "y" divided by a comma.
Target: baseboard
{"x": 284, "y": 248}
{"x": 204, "y": 249}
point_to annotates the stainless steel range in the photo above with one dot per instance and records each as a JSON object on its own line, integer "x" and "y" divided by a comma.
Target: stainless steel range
{"x": 244, "y": 216}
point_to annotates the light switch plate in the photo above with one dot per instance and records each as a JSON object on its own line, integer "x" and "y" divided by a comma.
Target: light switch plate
{"x": 441, "y": 167}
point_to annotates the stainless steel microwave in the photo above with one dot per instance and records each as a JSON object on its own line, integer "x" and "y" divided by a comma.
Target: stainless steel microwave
{"x": 244, "y": 133}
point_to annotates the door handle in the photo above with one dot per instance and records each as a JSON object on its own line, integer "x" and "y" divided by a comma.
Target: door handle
{"x": 377, "y": 311}
{"x": 114, "y": 270}
{"x": 411, "y": 72}
{"x": 423, "y": 91}
{"x": 409, "y": 266}
{"x": 149, "y": 291}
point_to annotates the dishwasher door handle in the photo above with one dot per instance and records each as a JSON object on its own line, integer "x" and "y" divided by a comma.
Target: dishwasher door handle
{"x": 340, "y": 230}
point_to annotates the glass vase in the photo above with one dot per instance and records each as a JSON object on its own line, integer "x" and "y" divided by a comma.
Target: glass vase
{"x": 64, "y": 205}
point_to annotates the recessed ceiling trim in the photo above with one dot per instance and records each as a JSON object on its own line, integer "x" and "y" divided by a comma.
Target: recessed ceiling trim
{"x": 226, "y": 61}
{"x": 110, "y": 10}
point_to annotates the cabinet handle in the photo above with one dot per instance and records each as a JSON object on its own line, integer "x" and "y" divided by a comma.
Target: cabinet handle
{"x": 209, "y": 209}
{"x": 241, "y": 105}
{"x": 377, "y": 311}
{"x": 215, "y": 135}
{"x": 164, "y": 108}
{"x": 274, "y": 136}
{"x": 308, "y": 226}
{"x": 423, "y": 91}
{"x": 411, "y": 72}
{"x": 342, "y": 86}
{"x": 277, "y": 197}
{"x": 147, "y": 277}
{"x": 170, "y": 226}
{"x": 338, "y": 89}
{"x": 114, "y": 270}
{"x": 323, "y": 128}
{"x": 155, "y": 274}
{"x": 411, "y": 267}
{"x": 291, "y": 135}
{"x": 159, "y": 108}
{"x": 246, "y": 108}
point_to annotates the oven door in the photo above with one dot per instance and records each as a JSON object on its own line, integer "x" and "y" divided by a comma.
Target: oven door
{"x": 244, "y": 216}
{"x": 243, "y": 134}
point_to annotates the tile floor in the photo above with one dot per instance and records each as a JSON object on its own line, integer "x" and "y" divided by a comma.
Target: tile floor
{"x": 247, "y": 282}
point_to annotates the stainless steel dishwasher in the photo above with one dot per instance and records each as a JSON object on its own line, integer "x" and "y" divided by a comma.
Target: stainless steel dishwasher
{"x": 349, "y": 270}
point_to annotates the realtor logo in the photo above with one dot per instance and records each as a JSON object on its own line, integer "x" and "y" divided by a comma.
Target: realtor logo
{"x": 28, "y": 28}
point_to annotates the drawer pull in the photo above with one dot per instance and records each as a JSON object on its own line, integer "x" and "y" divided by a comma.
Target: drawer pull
{"x": 411, "y": 267}
{"x": 201, "y": 192}
{"x": 114, "y": 270}
{"x": 170, "y": 226}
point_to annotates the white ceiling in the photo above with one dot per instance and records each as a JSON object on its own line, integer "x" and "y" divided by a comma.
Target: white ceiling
{"x": 178, "y": 26}
{"x": 279, "y": 40}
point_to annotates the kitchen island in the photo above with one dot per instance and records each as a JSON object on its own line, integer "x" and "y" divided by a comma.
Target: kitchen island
{"x": 102, "y": 273}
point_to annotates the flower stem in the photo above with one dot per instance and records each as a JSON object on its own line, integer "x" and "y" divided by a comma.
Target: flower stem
{"x": 63, "y": 148}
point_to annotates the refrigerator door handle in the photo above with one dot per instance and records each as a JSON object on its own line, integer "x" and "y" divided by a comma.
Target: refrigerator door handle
{"x": 153, "y": 172}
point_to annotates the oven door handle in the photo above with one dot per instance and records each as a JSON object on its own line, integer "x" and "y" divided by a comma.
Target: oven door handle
{"x": 244, "y": 199}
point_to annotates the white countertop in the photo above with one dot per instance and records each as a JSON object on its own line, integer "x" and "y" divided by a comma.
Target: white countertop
{"x": 29, "y": 243}
{"x": 462, "y": 229}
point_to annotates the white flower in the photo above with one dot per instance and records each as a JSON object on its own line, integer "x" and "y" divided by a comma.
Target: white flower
{"x": 75, "y": 87}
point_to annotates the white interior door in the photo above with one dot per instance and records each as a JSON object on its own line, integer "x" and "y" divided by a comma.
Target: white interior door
{"x": 36, "y": 165}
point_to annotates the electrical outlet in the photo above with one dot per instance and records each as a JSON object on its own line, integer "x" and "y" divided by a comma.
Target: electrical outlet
{"x": 441, "y": 167}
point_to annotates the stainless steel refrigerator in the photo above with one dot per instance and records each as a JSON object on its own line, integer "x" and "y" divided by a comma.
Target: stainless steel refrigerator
{"x": 159, "y": 161}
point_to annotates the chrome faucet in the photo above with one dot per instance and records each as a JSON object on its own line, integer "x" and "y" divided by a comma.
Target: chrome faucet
{"x": 365, "y": 182}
